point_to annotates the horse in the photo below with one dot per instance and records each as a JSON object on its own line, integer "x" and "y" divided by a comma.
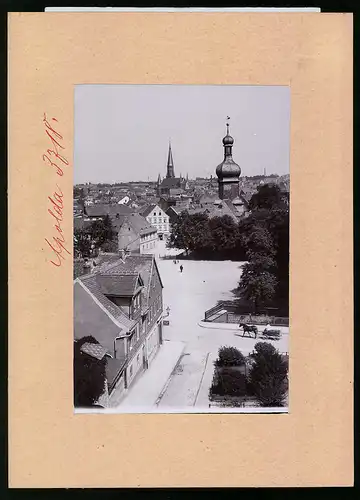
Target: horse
{"x": 249, "y": 329}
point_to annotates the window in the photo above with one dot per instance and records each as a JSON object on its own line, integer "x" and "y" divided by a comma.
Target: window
{"x": 131, "y": 370}
{"x": 159, "y": 214}
{"x": 138, "y": 357}
{"x": 154, "y": 214}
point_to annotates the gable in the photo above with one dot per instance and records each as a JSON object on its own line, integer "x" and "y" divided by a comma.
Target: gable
{"x": 91, "y": 320}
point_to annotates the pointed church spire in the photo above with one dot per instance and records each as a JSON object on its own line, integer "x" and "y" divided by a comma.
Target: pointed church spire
{"x": 170, "y": 172}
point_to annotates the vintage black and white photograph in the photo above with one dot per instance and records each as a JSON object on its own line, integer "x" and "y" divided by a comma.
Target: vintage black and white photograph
{"x": 181, "y": 248}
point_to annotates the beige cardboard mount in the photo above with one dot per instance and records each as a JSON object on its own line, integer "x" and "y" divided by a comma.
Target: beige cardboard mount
{"x": 49, "y": 446}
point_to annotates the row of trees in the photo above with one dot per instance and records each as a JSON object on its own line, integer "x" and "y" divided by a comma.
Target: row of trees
{"x": 261, "y": 238}
{"x": 207, "y": 238}
{"x": 266, "y": 378}
{"x": 99, "y": 234}
{"x": 265, "y": 235}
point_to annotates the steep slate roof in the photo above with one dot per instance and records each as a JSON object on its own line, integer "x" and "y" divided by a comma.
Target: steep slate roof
{"x": 173, "y": 209}
{"x": 216, "y": 211}
{"x": 90, "y": 281}
{"x": 222, "y": 209}
{"x": 175, "y": 191}
{"x": 100, "y": 210}
{"x": 138, "y": 223}
{"x": 124, "y": 285}
{"x": 135, "y": 264}
{"x": 171, "y": 183}
{"x": 91, "y": 319}
{"x": 147, "y": 210}
{"x": 107, "y": 258}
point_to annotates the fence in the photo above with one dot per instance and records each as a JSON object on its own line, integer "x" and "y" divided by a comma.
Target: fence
{"x": 257, "y": 320}
{"x": 232, "y": 317}
{"x": 212, "y": 311}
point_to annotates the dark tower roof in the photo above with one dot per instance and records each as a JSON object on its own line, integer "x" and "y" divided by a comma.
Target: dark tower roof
{"x": 228, "y": 168}
{"x": 170, "y": 171}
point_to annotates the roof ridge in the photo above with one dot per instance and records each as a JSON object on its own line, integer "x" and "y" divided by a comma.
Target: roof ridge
{"x": 102, "y": 307}
{"x": 129, "y": 273}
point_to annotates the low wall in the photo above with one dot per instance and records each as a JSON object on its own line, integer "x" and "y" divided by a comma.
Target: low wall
{"x": 212, "y": 325}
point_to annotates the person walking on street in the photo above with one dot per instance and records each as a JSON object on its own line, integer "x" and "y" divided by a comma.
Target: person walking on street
{"x": 181, "y": 268}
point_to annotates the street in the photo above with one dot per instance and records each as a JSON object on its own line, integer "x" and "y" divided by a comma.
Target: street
{"x": 181, "y": 374}
{"x": 188, "y": 295}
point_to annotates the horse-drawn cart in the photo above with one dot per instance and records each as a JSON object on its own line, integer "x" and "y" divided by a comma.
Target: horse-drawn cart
{"x": 249, "y": 330}
{"x": 271, "y": 334}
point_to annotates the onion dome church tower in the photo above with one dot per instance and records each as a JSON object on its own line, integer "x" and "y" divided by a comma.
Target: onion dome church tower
{"x": 228, "y": 172}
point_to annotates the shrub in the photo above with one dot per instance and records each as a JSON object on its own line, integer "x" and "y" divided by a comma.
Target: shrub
{"x": 228, "y": 382}
{"x": 264, "y": 348}
{"x": 230, "y": 356}
{"x": 268, "y": 375}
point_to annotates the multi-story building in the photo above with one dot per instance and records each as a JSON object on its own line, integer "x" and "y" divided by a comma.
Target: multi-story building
{"x": 157, "y": 217}
{"x": 120, "y": 304}
{"x": 136, "y": 234}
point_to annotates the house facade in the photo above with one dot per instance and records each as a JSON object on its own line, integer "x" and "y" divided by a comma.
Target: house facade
{"x": 157, "y": 217}
{"x": 136, "y": 234}
{"x": 120, "y": 304}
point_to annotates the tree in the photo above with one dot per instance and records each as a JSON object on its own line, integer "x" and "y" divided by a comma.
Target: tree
{"x": 257, "y": 286}
{"x": 89, "y": 375}
{"x": 259, "y": 241}
{"x": 228, "y": 382}
{"x": 207, "y": 237}
{"x": 265, "y": 236}
{"x": 268, "y": 375}
{"x": 224, "y": 233}
{"x": 268, "y": 196}
{"x": 190, "y": 232}
{"x": 230, "y": 356}
{"x": 101, "y": 231}
{"x": 82, "y": 243}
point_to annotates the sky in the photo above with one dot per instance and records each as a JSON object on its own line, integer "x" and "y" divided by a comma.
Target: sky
{"x": 122, "y": 132}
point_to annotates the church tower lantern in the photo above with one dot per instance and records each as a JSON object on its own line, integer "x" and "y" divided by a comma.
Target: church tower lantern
{"x": 228, "y": 172}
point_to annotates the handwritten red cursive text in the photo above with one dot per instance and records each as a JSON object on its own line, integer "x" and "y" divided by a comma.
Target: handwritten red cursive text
{"x": 56, "y": 243}
{"x": 54, "y": 137}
